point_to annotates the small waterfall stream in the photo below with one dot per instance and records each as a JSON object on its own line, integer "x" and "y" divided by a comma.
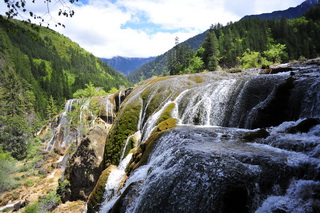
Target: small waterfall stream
{"x": 63, "y": 130}
{"x": 209, "y": 163}
{"x": 109, "y": 110}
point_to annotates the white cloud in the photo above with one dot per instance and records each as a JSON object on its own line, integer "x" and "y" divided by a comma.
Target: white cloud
{"x": 141, "y": 28}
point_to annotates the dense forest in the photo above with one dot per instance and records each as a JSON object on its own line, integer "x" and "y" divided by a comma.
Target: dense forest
{"x": 40, "y": 70}
{"x": 237, "y": 43}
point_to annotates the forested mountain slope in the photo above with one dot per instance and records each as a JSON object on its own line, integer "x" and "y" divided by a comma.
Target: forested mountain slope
{"x": 40, "y": 69}
{"x": 51, "y": 64}
{"x": 300, "y": 37}
{"x": 159, "y": 64}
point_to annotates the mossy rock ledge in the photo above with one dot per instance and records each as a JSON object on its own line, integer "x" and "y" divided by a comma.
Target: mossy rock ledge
{"x": 96, "y": 196}
{"x": 124, "y": 125}
{"x": 141, "y": 155}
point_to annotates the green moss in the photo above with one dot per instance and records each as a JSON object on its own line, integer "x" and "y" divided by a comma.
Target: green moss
{"x": 95, "y": 197}
{"x": 34, "y": 208}
{"x": 141, "y": 155}
{"x": 196, "y": 78}
{"x": 125, "y": 125}
{"x": 167, "y": 124}
{"x": 234, "y": 70}
{"x": 156, "y": 100}
{"x": 166, "y": 114}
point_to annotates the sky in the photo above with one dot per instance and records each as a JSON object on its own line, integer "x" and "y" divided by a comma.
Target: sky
{"x": 143, "y": 28}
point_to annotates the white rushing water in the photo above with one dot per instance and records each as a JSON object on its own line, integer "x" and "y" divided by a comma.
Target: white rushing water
{"x": 63, "y": 130}
{"x": 299, "y": 198}
{"x": 114, "y": 183}
{"x": 200, "y": 166}
{"x": 109, "y": 110}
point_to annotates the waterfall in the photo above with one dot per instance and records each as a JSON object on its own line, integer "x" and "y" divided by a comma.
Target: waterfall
{"x": 232, "y": 150}
{"x": 63, "y": 130}
{"x": 119, "y": 98}
{"x": 113, "y": 185}
{"x": 62, "y": 133}
{"x": 150, "y": 124}
{"x": 144, "y": 108}
{"x": 65, "y": 123}
{"x": 207, "y": 104}
{"x": 109, "y": 110}
{"x": 125, "y": 146}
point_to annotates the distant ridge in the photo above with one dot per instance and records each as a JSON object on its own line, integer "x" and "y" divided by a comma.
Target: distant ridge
{"x": 126, "y": 65}
{"x": 158, "y": 65}
{"x": 290, "y": 13}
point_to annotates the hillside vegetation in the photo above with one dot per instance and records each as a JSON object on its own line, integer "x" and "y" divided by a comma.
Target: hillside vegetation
{"x": 255, "y": 38}
{"x": 40, "y": 70}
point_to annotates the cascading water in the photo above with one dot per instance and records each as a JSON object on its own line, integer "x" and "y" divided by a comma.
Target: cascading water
{"x": 109, "y": 110}
{"x": 62, "y": 133}
{"x": 213, "y": 161}
{"x": 113, "y": 185}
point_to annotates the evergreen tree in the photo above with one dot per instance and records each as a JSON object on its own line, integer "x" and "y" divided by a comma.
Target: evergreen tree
{"x": 52, "y": 108}
{"x": 210, "y": 53}
{"x": 179, "y": 58}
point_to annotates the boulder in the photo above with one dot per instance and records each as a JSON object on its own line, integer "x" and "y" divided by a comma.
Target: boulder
{"x": 260, "y": 133}
{"x": 304, "y": 126}
{"x": 275, "y": 70}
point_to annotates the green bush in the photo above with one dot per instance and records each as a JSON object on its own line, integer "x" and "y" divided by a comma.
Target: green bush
{"x": 7, "y": 167}
{"x": 45, "y": 204}
{"x": 34, "y": 208}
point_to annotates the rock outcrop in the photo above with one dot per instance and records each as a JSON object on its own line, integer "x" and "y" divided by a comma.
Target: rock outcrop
{"x": 85, "y": 166}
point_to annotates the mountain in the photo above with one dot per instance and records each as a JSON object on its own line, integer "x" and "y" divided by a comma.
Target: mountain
{"x": 235, "y": 38}
{"x": 126, "y": 65}
{"x": 51, "y": 64}
{"x": 291, "y": 13}
{"x": 40, "y": 70}
{"x": 159, "y": 64}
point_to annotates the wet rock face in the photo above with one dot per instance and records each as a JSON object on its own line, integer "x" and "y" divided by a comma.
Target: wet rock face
{"x": 304, "y": 126}
{"x": 213, "y": 170}
{"x": 85, "y": 165}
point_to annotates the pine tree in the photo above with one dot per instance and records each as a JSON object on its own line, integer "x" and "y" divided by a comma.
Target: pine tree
{"x": 211, "y": 53}
{"x": 52, "y": 108}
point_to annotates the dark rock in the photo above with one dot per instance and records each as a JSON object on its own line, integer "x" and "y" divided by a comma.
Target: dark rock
{"x": 304, "y": 126}
{"x": 274, "y": 111}
{"x": 17, "y": 206}
{"x": 38, "y": 165}
{"x": 44, "y": 152}
{"x": 120, "y": 96}
{"x": 58, "y": 151}
{"x": 43, "y": 172}
{"x": 20, "y": 204}
{"x": 315, "y": 61}
{"x": 275, "y": 70}
{"x": 260, "y": 133}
